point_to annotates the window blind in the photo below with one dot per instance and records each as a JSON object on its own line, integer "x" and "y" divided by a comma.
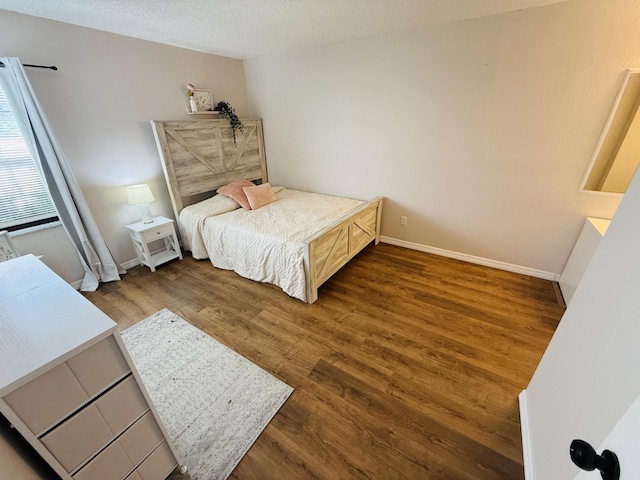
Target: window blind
{"x": 24, "y": 199}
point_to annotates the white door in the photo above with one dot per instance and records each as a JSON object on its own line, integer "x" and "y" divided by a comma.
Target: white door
{"x": 623, "y": 441}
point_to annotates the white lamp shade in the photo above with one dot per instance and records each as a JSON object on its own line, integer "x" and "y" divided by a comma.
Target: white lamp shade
{"x": 139, "y": 194}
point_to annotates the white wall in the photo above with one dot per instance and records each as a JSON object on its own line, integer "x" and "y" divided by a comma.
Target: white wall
{"x": 588, "y": 377}
{"x": 478, "y": 131}
{"x": 99, "y": 103}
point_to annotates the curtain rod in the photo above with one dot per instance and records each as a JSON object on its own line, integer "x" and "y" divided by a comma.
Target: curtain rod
{"x": 50, "y": 67}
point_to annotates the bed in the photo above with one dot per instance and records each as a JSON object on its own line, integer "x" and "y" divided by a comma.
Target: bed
{"x": 200, "y": 156}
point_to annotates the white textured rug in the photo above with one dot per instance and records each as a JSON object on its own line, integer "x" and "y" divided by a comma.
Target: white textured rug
{"x": 214, "y": 402}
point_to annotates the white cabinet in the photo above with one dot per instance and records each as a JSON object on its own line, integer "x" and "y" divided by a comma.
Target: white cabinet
{"x": 589, "y": 239}
{"x": 68, "y": 384}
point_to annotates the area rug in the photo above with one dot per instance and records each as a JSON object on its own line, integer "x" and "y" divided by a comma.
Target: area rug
{"x": 213, "y": 402}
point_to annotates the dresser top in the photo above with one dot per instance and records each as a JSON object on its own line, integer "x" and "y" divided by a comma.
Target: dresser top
{"x": 42, "y": 318}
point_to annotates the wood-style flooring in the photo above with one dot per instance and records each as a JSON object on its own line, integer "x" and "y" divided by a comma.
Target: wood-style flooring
{"x": 408, "y": 366}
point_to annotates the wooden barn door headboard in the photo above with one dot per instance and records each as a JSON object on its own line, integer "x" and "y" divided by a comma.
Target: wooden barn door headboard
{"x": 200, "y": 156}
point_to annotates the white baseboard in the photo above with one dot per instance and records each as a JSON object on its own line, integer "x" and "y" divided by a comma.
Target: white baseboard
{"x": 527, "y": 453}
{"x": 509, "y": 267}
{"x": 126, "y": 265}
{"x": 131, "y": 263}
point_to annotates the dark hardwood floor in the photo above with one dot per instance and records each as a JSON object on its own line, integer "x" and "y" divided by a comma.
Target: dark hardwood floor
{"x": 408, "y": 366}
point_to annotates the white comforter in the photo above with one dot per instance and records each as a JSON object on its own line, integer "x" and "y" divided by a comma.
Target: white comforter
{"x": 266, "y": 244}
{"x": 191, "y": 221}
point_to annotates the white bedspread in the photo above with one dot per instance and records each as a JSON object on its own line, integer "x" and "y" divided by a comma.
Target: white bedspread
{"x": 191, "y": 221}
{"x": 266, "y": 244}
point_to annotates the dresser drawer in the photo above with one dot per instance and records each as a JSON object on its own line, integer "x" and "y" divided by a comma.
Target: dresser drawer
{"x": 127, "y": 451}
{"x": 47, "y": 398}
{"x": 82, "y": 435}
{"x": 140, "y": 440}
{"x": 56, "y": 393}
{"x": 157, "y": 233}
{"x": 157, "y": 465}
{"x": 78, "y": 438}
{"x": 112, "y": 464}
{"x": 122, "y": 405}
{"x": 99, "y": 366}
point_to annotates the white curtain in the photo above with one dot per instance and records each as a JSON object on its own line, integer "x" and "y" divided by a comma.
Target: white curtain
{"x": 73, "y": 211}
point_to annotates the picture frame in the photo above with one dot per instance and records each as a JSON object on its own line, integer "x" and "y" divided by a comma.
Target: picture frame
{"x": 7, "y": 249}
{"x": 202, "y": 100}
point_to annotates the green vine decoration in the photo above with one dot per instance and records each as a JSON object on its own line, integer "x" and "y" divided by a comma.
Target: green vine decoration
{"x": 228, "y": 112}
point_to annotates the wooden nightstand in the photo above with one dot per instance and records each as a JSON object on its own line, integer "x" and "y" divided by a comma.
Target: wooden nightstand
{"x": 160, "y": 229}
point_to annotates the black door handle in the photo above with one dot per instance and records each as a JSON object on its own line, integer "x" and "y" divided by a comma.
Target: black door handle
{"x": 585, "y": 457}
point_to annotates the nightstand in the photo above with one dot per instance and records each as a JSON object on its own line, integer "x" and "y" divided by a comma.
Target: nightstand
{"x": 142, "y": 234}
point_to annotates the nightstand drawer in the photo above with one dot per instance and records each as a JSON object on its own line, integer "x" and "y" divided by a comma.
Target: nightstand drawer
{"x": 157, "y": 233}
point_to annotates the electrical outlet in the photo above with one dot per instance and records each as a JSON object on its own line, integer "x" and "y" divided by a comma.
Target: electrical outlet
{"x": 403, "y": 220}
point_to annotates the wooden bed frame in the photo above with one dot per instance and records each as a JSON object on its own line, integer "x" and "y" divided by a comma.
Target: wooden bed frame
{"x": 199, "y": 156}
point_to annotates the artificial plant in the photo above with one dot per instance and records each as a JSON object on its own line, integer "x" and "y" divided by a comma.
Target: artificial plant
{"x": 228, "y": 112}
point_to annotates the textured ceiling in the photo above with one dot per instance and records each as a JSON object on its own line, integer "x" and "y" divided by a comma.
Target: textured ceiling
{"x": 252, "y": 28}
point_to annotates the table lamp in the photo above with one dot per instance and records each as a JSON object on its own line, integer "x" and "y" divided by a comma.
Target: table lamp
{"x": 141, "y": 195}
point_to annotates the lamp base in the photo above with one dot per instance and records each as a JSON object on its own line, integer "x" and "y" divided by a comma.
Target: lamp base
{"x": 145, "y": 211}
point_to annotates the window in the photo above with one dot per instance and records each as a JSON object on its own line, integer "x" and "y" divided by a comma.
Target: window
{"x": 24, "y": 198}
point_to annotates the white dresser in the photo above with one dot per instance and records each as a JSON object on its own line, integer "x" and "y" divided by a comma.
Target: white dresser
{"x": 68, "y": 385}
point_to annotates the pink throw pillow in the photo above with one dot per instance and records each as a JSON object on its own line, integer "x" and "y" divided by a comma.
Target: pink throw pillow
{"x": 259, "y": 195}
{"x": 234, "y": 191}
